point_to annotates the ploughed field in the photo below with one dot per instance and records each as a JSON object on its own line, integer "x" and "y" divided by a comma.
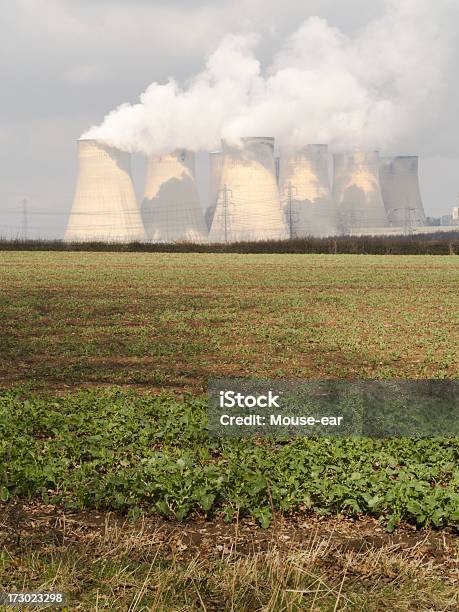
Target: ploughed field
{"x": 175, "y": 320}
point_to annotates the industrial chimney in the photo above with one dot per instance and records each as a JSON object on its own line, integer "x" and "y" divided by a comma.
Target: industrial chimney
{"x": 215, "y": 162}
{"x": 305, "y": 191}
{"x": 171, "y": 210}
{"x": 248, "y": 206}
{"x": 357, "y": 192}
{"x": 400, "y": 190}
{"x": 104, "y": 207}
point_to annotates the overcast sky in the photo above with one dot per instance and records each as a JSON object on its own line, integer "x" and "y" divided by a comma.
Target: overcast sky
{"x": 64, "y": 64}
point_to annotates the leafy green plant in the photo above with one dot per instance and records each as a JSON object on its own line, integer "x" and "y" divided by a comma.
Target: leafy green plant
{"x": 118, "y": 450}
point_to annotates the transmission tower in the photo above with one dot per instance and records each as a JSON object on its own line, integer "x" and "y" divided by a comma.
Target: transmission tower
{"x": 292, "y": 216}
{"x": 409, "y": 218}
{"x": 227, "y": 193}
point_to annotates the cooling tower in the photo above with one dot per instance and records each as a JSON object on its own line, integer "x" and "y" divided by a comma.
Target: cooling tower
{"x": 357, "y": 191}
{"x": 105, "y": 206}
{"x": 215, "y": 173}
{"x": 248, "y": 206}
{"x": 171, "y": 210}
{"x": 305, "y": 191}
{"x": 400, "y": 190}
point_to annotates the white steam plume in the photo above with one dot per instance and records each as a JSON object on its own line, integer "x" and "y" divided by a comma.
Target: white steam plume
{"x": 323, "y": 86}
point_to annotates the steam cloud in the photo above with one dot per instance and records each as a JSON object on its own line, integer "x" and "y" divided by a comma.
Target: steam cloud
{"x": 322, "y": 86}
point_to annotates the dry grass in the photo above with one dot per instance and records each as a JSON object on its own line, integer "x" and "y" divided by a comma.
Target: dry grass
{"x": 136, "y": 567}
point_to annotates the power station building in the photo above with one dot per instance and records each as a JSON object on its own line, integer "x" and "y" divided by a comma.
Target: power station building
{"x": 248, "y": 205}
{"x": 304, "y": 185}
{"x": 400, "y": 190}
{"x": 251, "y": 195}
{"x": 171, "y": 209}
{"x": 104, "y": 207}
{"x": 357, "y": 192}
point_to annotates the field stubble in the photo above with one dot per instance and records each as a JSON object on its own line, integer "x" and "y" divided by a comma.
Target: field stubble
{"x": 103, "y": 563}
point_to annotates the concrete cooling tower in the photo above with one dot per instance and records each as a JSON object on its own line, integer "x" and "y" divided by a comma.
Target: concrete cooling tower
{"x": 215, "y": 173}
{"x": 400, "y": 190}
{"x": 248, "y": 206}
{"x": 105, "y": 206}
{"x": 357, "y": 192}
{"x": 171, "y": 210}
{"x": 305, "y": 191}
